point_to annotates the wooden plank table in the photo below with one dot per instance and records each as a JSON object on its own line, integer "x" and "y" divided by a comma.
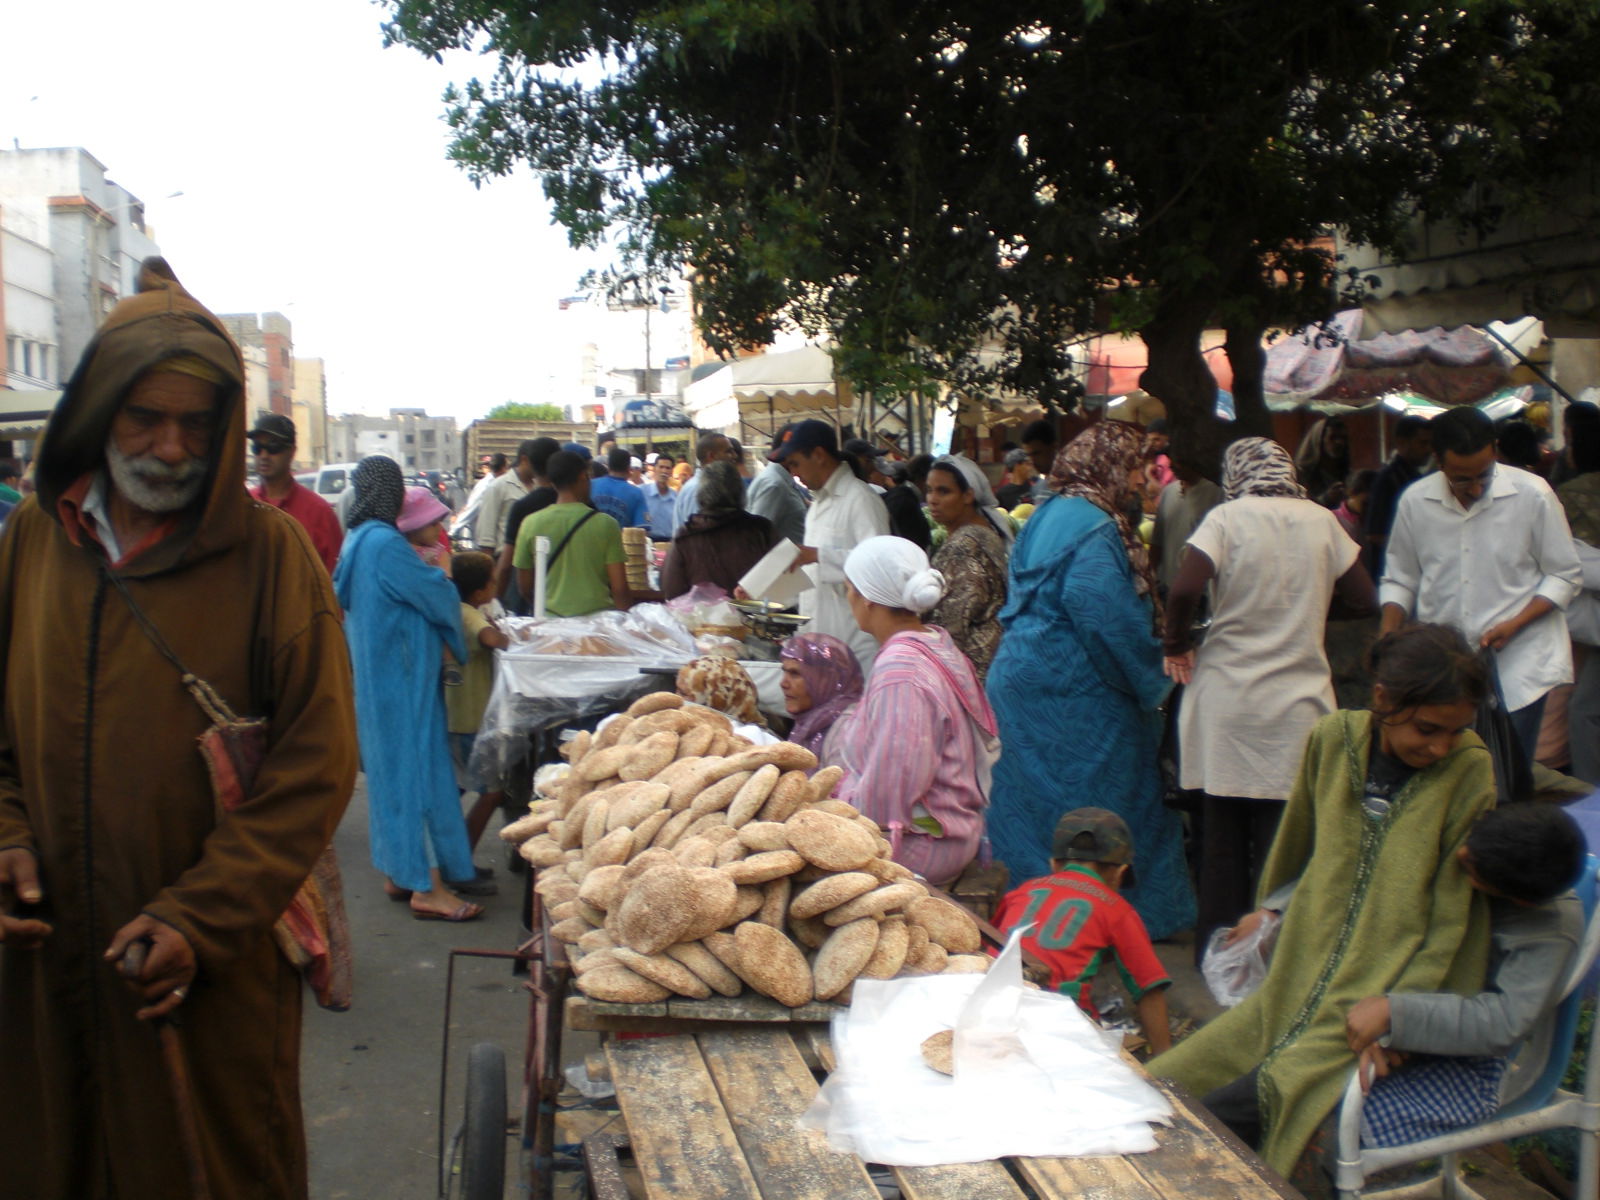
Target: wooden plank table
{"x": 712, "y": 1114}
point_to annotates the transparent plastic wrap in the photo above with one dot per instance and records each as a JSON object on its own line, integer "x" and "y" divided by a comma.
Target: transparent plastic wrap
{"x": 568, "y": 669}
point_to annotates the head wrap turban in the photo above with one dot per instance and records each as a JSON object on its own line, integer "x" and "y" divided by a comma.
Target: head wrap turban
{"x": 380, "y": 491}
{"x": 721, "y": 489}
{"x": 1258, "y": 467}
{"x": 895, "y": 573}
{"x": 1095, "y": 465}
{"x": 982, "y": 494}
{"x": 833, "y": 680}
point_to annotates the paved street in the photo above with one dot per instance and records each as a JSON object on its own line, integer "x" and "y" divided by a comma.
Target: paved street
{"x": 371, "y": 1075}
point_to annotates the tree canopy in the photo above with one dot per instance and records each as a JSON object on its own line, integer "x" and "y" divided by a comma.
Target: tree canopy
{"x": 518, "y": 410}
{"x": 953, "y": 190}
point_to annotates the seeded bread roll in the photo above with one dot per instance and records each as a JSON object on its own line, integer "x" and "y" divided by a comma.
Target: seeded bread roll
{"x": 764, "y": 835}
{"x": 615, "y": 847}
{"x": 894, "y": 936}
{"x": 716, "y": 899}
{"x": 670, "y": 774}
{"x": 730, "y": 851}
{"x": 830, "y": 842}
{"x": 967, "y": 964}
{"x": 718, "y": 833}
{"x": 720, "y": 794}
{"x": 668, "y": 972}
{"x": 696, "y": 742}
{"x": 938, "y": 1051}
{"x": 630, "y": 803}
{"x": 572, "y": 825}
{"x": 775, "y": 902}
{"x": 887, "y": 870}
{"x": 602, "y": 887}
{"x": 595, "y": 939}
{"x": 707, "y": 967}
{"x": 649, "y": 756}
{"x": 839, "y": 809}
{"x": 609, "y": 735}
{"x": 892, "y": 897}
{"x": 843, "y": 955}
{"x": 523, "y": 828}
{"x": 793, "y": 789}
{"x": 590, "y": 914}
{"x": 670, "y": 834}
{"x": 570, "y": 930}
{"x": 644, "y": 860}
{"x": 588, "y": 960}
{"x": 656, "y": 910}
{"x": 709, "y": 716}
{"x": 759, "y": 868}
{"x": 556, "y": 889}
{"x": 916, "y": 943}
{"x": 614, "y": 983}
{"x": 823, "y": 783}
{"x": 752, "y": 795}
{"x": 725, "y": 949}
{"x": 564, "y": 910}
{"x": 830, "y": 892}
{"x": 748, "y": 901}
{"x": 687, "y": 787}
{"x": 653, "y": 703}
{"x": 772, "y": 964}
{"x": 932, "y": 960}
{"x": 578, "y": 746}
{"x": 810, "y": 932}
{"x": 597, "y": 824}
{"x": 705, "y": 823}
{"x": 541, "y": 851}
{"x": 695, "y": 852}
{"x": 645, "y": 831}
{"x": 786, "y": 755}
{"x": 950, "y": 925}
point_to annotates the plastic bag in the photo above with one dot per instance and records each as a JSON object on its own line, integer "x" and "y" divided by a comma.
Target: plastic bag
{"x": 1033, "y": 1075}
{"x": 1232, "y": 972}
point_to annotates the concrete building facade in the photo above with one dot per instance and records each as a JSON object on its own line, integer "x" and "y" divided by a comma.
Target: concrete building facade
{"x": 410, "y": 436}
{"x": 57, "y": 206}
{"x": 310, "y": 413}
{"x": 274, "y": 335}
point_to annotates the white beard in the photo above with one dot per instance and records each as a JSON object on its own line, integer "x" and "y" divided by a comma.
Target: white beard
{"x": 150, "y": 484}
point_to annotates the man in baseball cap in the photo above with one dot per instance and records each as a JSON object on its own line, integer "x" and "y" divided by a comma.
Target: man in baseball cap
{"x": 1077, "y": 918}
{"x": 272, "y": 441}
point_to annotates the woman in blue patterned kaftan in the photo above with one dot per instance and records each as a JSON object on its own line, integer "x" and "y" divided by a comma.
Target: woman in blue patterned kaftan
{"x": 1078, "y": 679}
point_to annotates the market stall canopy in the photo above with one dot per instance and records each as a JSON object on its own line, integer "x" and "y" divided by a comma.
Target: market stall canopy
{"x": 24, "y": 414}
{"x": 791, "y": 381}
{"x": 1116, "y": 362}
{"x": 1335, "y": 364}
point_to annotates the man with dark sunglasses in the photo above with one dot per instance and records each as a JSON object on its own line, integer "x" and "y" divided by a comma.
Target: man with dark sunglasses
{"x": 272, "y": 443}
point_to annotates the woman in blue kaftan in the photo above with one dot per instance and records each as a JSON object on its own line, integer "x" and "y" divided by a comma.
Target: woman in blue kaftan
{"x": 399, "y": 614}
{"x": 1077, "y": 681}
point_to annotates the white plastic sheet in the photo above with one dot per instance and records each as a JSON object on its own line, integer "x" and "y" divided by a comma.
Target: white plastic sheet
{"x": 1033, "y": 1075}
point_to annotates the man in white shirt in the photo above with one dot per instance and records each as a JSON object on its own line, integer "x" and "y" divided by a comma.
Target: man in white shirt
{"x": 712, "y": 447}
{"x": 844, "y": 513}
{"x": 489, "y": 530}
{"x": 1485, "y": 547}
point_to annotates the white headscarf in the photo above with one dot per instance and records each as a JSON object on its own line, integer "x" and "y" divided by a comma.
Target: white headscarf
{"x": 982, "y": 494}
{"x": 895, "y": 573}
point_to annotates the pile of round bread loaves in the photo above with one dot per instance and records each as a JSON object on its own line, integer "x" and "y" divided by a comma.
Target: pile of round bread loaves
{"x": 676, "y": 858}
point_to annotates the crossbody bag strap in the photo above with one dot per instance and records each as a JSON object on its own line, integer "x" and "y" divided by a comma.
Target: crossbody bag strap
{"x": 206, "y": 696}
{"x": 567, "y": 537}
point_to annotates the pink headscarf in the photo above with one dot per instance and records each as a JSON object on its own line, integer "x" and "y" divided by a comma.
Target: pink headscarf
{"x": 833, "y": 677}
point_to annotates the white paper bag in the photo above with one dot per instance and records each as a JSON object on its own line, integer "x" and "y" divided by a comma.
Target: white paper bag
{"x": 1033, "y": 1075}
{"x": 772, "y": 580}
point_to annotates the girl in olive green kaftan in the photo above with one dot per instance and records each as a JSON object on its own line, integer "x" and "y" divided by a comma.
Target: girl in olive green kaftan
{"x": 1381, "y": 906}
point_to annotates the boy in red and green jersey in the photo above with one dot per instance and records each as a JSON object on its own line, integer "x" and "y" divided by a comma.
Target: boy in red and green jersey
{"x": 1079, "y": 917}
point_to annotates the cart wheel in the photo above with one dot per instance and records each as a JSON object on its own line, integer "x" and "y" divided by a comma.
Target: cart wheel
{"x": 483, "y": 1145}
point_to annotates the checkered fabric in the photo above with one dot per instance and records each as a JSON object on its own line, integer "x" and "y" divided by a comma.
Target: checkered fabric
{"x": 1431, "y": 1095}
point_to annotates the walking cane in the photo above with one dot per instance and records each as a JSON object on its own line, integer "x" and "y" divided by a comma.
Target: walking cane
{"x": 129, "y": 967}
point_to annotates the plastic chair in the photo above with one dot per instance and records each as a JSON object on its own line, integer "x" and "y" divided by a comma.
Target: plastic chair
{"x": 1535, "y": 1100}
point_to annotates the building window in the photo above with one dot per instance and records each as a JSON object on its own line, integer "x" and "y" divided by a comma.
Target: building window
{"x": 411, "y": 439}
{"x": 427, "y": 437}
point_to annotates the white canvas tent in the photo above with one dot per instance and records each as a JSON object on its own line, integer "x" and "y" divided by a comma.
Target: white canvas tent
{"x": 23, "y": 414}
{"x": 794, "y": 381}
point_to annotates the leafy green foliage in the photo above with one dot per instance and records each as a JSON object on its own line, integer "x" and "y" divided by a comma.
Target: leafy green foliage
{"x": 950, "y": 190}
{"x": 517, "y": 410}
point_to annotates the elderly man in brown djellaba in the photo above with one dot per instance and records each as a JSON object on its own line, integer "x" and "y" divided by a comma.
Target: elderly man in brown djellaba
{"x": 141, "y": 549}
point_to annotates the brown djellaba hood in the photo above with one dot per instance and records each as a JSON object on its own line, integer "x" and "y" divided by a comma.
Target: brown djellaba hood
{"x": 159, "y": 322}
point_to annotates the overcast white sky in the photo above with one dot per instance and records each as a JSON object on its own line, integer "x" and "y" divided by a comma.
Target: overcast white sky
{"x": 314, "y": 179}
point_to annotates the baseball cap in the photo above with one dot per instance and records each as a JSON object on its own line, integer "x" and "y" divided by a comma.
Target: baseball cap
{"x": 1092, "y": 835}
{"x": 580, "y": 450}
{"x": 273, "y": 425}
{"x": 805, "y": 437}
{"x": 1016, "y": 457}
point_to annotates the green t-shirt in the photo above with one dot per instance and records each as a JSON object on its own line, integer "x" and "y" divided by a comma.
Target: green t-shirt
{"x": 579, "y": 583}
{"x": 465, "y": 701}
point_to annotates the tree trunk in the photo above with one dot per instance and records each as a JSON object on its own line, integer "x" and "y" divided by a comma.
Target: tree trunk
{"x": 1249, "y": 362}
{"x": 1177, "y": 375}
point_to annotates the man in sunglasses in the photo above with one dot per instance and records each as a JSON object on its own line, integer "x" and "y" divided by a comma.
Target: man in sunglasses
{"x": 272, "y": 449}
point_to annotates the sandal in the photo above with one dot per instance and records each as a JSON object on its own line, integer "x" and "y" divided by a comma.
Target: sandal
{"x": 467, "y": 912}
